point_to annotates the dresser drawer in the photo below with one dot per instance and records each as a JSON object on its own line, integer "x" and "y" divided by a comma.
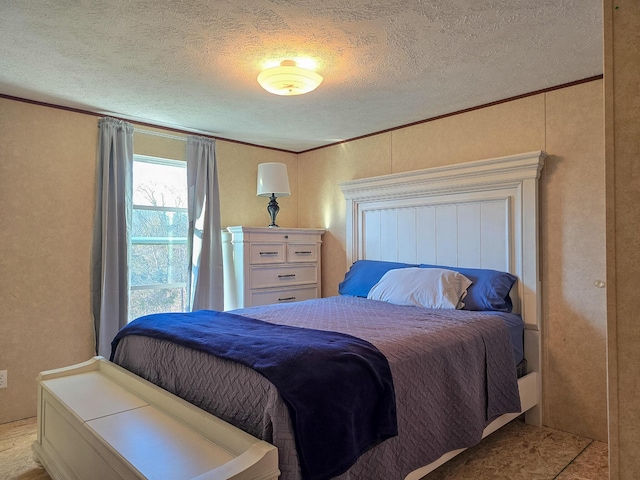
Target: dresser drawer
{"x": 284, "y": 295}
{"x": 302, "y": 252}
{"x": 267, "y": 253}
{"x": 263, "y": 277}
{"x": 282, "y": 235}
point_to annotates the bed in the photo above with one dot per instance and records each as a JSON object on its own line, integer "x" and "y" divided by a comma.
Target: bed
{"x": 480, "y": 215}
{"x": 477, "y": 214}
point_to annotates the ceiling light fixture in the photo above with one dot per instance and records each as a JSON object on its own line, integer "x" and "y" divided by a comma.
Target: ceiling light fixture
{"x": 289, "y": 79}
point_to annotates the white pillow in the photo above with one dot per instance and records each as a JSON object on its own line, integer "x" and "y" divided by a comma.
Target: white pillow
{"x": 423, "y": 287}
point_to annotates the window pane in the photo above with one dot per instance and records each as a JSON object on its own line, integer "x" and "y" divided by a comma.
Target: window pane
{"x": 156, "y": 264}
{"x": 145, "y": 302}
{"x": 160, "y": 224}
{"x": 159, "y": 185}
{"x": 159, "y": 231}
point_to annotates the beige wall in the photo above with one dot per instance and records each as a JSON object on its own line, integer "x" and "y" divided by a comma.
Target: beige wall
{"x": 237, "y": 172}
{"x": 154, "y": 142}
{"x": 573, "y": 256}
{"x": 47, "y": 177}
{"x": 567, "y": 124}
{"x": 321, "y": 203}
{"x": 622, "y": 140}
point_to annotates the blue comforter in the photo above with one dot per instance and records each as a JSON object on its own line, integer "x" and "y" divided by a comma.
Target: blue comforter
{"x": 338, "y": 388}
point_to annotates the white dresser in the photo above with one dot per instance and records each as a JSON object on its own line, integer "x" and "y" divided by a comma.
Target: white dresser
{"x": 270, "y": 265}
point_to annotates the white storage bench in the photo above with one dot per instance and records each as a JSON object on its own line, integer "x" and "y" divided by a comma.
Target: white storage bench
{"x": 99, "y": 421}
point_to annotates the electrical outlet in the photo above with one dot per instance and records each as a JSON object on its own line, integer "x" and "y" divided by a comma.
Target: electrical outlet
{"x": 3, "y": 379}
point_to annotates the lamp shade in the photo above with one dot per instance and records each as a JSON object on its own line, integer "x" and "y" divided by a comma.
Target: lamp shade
{"x": 289, "y": 79}
{"x": 273, "y": 180}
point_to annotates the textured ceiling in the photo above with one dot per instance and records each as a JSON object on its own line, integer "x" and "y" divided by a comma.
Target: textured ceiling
{"x": 193, "y": 64}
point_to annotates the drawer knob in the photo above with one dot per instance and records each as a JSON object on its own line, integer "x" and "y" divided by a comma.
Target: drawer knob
{"x": 289, "y": 275}
{"x": 268, "y": 253}
{"x": 286, "y": 299}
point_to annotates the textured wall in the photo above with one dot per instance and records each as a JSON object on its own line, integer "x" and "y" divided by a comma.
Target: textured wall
{"x": 47, "y": 177}
{"x": 622, "y": 107}
{"x": 504, "y": 129}
{"x": 573, "y": 245}
{"x": 237, "y": 172}
{"x": 567, "y": 124}
{"x": 154, "y": 142}
{"x": 321, "y": 203}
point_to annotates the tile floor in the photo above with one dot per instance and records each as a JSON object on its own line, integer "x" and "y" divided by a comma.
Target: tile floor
{"x": 515, "y": 452}
{"x": 523, "y": 452}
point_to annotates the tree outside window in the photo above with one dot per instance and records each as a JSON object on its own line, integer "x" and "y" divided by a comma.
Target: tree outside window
{"x": 159, "y": 261}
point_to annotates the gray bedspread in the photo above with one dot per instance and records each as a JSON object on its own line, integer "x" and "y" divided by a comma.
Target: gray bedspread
{"x": 453, "y": 372}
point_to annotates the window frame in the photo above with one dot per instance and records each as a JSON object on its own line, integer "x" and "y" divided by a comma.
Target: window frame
{"x": 168, "y": 241}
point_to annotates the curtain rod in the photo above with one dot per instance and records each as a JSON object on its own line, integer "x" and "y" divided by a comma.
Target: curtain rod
{"x": 160, "y": 134}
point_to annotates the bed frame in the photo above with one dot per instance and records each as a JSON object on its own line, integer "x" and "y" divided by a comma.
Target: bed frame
{"x": 481, "y": 214}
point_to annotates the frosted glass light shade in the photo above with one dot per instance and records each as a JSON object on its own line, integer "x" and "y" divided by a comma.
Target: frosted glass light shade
{"x": 289, "y": 79}
{"x": 273, "y": 179}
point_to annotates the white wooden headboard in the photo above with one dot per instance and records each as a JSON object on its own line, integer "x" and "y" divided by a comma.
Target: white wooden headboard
{"x": 481, "y": 214}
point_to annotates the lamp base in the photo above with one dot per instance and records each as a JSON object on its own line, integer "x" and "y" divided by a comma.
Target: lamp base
{"x": 273, "y": 210}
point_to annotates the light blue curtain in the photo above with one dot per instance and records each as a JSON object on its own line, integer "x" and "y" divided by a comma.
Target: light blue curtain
{"x": 110, "y": 252}
{"x": 204, "y": 289}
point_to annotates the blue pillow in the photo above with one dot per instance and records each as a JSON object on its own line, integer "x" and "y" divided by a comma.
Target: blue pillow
{"x": 489, "y": 290}
{"x": 364, "y": 274}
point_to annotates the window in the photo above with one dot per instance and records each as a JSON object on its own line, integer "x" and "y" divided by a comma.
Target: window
{"x": 159, "y": 231}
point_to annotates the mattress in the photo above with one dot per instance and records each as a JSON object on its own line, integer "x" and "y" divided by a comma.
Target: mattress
{"x": 453, "y": 372}
{"x": 515, "y": 325}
